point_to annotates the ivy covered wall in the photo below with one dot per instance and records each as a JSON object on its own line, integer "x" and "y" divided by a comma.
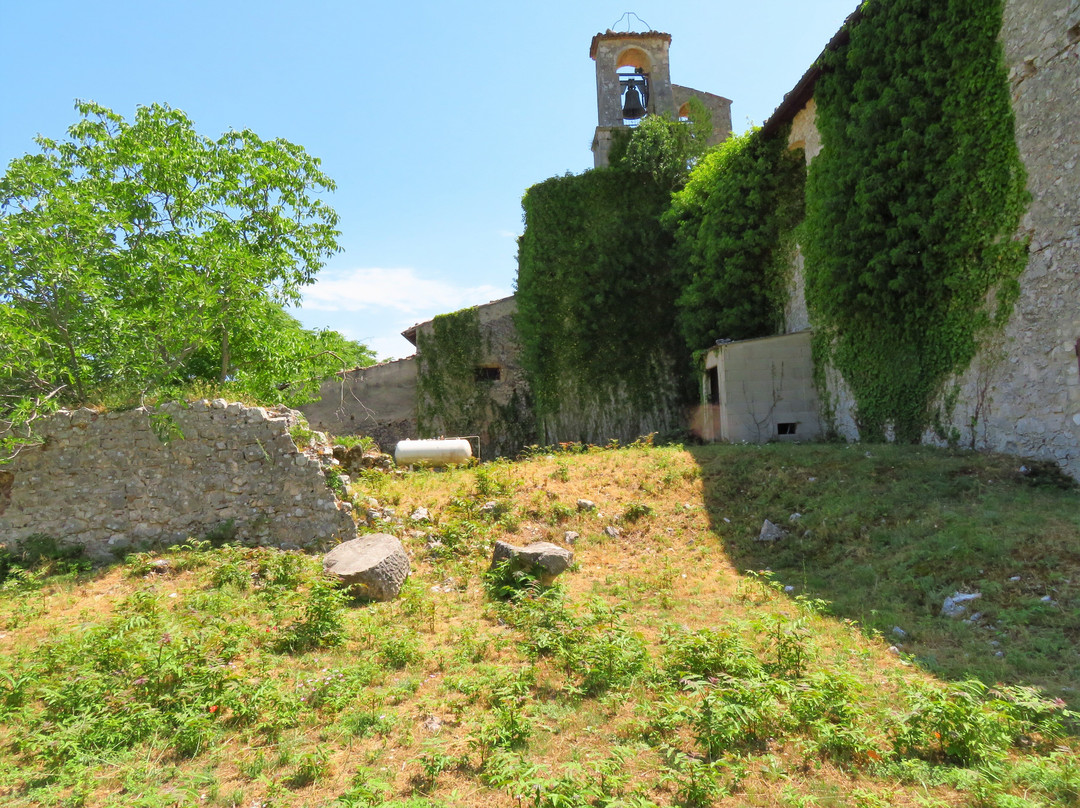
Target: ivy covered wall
{"x": 469, "y": 380}
{"x": 596, "y": 308}
{"x": 912, "y": 207}
{"x": 734, "y": 226}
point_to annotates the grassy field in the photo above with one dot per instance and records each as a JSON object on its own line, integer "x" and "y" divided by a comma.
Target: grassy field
{"x": 679, "y": 661}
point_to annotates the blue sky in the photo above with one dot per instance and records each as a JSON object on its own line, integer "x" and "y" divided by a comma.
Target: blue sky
{"x": 433, "y": 118}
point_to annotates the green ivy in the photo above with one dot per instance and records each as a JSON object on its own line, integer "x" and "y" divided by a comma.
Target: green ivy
{"x": 448, "y": 394}
{"x": 596, "y": 306}
{"x": 912, "y": 206}
{"x": 734, "y": 238}
{"x": 452, "y": 400}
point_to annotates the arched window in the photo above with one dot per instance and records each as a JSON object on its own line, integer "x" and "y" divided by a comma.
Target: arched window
{"x": 633, "y": 67}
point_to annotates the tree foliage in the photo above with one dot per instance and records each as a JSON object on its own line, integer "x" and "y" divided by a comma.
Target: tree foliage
{"x": 664, "y": 148}
{"x": 912, "y": 205}
{"x": 138, "y": 255}
{"x": 733, "y": 225}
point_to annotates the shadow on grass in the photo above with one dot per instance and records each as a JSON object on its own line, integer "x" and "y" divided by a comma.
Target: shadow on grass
{"x": 885, "y": 533}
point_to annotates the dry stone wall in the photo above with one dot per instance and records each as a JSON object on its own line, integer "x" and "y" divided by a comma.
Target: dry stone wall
{"x": 116, "y": 481}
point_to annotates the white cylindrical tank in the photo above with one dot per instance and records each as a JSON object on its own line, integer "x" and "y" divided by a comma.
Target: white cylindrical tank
{"x": 433, "y": 452}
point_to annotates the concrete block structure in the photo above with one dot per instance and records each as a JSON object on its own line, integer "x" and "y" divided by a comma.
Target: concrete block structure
{"x": 759, "y": 390}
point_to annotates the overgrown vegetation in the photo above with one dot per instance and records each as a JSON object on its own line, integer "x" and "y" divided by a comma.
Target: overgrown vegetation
{"x": 660, "y": 670}
{"x": 912, "y": 206}
{"x": 138, "y": 258}
{"x": 734, "y": 239}
{"x": 454, "y": 398}
{"x": 596, "y": 314}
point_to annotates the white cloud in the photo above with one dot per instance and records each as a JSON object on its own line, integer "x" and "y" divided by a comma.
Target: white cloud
{"x": 377, "y": 289}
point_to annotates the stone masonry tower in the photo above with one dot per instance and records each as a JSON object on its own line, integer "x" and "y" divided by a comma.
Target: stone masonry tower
{"x": 628, "y": 64}
{"x": 633, "y": 79}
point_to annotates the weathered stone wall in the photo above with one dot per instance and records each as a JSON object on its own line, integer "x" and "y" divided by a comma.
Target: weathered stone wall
{"x": 504, "y": 422}
{"x": 719, "y": 110}
{"x": 119, "y": 480}
{"x": 1022, "y": 394}
{"x": 378, "y": 401}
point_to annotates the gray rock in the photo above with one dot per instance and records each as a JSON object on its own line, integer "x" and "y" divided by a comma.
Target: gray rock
{"x": 770, "y": 532}
{"x": 612, "y": 531}
{"x": 373, "y": 566}
{"x": 954, "y": 605}
{"x": 550, "y": 559}
{"x": 571, "y": 536}
{"x": 586, "y": 505}
{"x": 420, "y": 515}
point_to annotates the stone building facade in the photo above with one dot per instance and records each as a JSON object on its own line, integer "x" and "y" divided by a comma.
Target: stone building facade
{"x": 1022, "y": 393}
{"x": 390, "y": 402}
{"x": 378, "y": 401}
{"x": 118, "y": 481}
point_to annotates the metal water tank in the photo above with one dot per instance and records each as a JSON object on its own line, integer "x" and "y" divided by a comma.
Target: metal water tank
{"x": 433, "y": 452}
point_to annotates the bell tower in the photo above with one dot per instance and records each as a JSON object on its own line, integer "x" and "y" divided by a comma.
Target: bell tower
{"x": 633, "y": 79}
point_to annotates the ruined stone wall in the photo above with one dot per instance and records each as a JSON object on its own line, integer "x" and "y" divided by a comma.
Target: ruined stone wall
{"x": 377, "y": 401}
{"x": 116, "y": 481}
{"x": 719, "y": 110}
{"x": 1022, "y": 393}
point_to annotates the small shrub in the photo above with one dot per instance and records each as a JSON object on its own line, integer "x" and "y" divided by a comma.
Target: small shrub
{"x": 637, "y": 510}
{"x": 953, "y": 725}
{"x": 322, "y": 623}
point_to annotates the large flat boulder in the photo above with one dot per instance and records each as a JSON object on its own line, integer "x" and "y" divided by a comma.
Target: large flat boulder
{"x": 373, "y": 566}
{"x": 543, "y": 556}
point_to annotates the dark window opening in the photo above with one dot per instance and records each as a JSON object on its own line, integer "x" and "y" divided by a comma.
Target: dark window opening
{"x": 785, "y": 429}
{"x": 488, "y": 374}
{"x": 713, "y": 375}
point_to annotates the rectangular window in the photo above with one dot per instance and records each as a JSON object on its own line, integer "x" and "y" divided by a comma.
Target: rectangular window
{"x": 786, "y": 429}
{"x": 713, "y": 375}
{"x": 488, "y": 374}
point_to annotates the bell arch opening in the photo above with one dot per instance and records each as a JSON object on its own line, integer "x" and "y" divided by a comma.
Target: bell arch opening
{"x": 633, "y": 67}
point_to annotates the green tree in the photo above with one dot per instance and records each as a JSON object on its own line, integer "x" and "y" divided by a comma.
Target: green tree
{"x": 664, "y": 148}
{"x": 132, "y": 252}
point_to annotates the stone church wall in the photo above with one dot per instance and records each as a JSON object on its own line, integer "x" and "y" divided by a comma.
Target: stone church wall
{"x": 117, "y": 481}
{"x": 1022, "y": 393}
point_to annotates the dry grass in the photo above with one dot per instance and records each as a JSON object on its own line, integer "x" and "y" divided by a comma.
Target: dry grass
{"x": 435, "y": 667}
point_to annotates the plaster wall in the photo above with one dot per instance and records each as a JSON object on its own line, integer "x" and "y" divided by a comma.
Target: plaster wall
{"x": 763, "y": 384}
{"x": 119, "y": 480}
{"x": 377, "y": 401}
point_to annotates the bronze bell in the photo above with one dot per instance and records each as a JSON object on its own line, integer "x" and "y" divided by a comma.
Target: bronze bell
{"x": 633, "y": 109}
